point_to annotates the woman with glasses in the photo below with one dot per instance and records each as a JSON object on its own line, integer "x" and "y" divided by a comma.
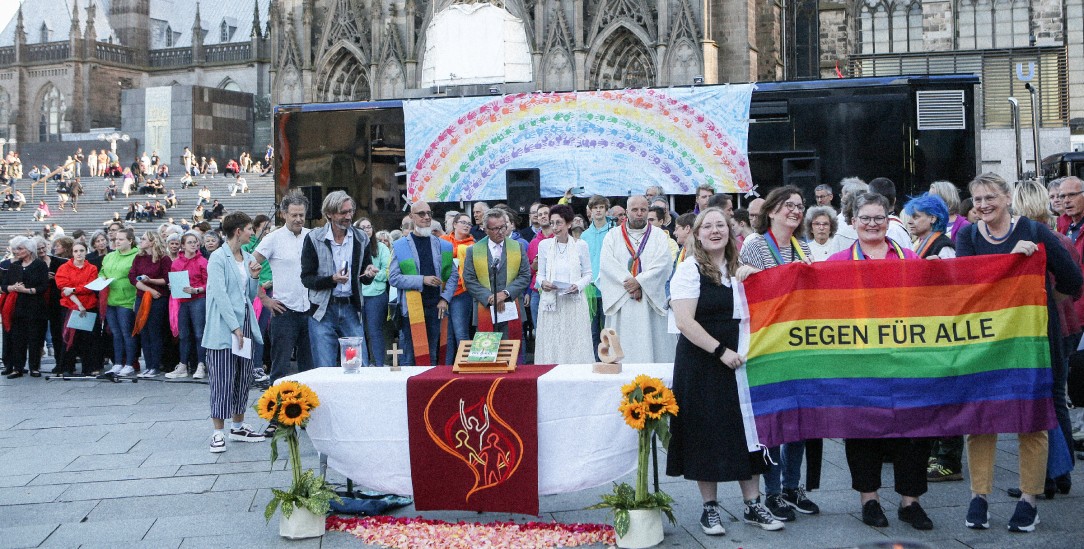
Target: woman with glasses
{"x": 375, "y": 302}
{"x": 820, "y": 227}
{"x": 998, "y": 231}
{"x": 461, "y": 306}
{"x": 775, "y": 243}
{"x": 929, "y": 225}
{"x": 865, "y": 455}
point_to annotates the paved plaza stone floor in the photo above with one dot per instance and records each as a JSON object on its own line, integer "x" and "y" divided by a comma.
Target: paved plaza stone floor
{"x": 95, "y": 464}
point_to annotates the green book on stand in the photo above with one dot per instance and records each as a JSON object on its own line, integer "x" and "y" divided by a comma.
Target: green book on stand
{"x": 484, "y": 347}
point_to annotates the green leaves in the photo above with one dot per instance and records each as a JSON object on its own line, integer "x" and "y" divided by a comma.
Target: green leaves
{"x": 308, "y": 490}
{"x": 623, "y": 499}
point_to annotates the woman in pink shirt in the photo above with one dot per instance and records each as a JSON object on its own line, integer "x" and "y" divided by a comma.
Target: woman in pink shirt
{"x": 190, "y": 317}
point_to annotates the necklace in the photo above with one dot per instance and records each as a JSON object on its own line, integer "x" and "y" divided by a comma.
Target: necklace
{"x": 557, "y": 246}
{"x": 990, "y": 235}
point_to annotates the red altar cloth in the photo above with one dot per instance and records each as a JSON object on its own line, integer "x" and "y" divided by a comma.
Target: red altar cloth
{"x": 474, "y": 440}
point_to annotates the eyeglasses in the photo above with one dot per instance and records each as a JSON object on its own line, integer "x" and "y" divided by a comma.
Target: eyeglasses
{"x": 463, "y": 222}
{"x": 990, "y": 198}
{"x": 872, "y": 220}
{"x": 495, "y": 229}
{"x": 793, "y": 207}
{"x": 426, "y": 213}
{"x": 1064, "y": 196}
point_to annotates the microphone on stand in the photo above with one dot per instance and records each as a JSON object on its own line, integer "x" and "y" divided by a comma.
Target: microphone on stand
{"x": 493, "y": 284}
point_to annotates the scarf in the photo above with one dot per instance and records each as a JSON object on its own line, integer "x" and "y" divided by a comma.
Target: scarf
{"x": 634, "y": 261}
{"x": 773, "y": 247}
{"x": 416, "y": 311}
{"x": 858, "y": 255}
{"x": 513, "y": 256}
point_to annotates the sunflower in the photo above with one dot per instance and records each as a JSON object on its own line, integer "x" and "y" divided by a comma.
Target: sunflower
{"x": 308, "y": 395}
{"x": 634, "y": 413}
{"x": 289, "y": 388}
{"x": 628, "y": 388}
{"x": 659, "y": 404}
{"x": 294, "y": 411}
{"x": 267, "y": 404}
{"x": 652, "y": 385}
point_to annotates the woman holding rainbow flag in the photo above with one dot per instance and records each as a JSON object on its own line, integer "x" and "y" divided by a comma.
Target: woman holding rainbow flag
{"x": 998, "y": 231}
{"x": 776, "y": 243}
{"x": 865, "y": 455}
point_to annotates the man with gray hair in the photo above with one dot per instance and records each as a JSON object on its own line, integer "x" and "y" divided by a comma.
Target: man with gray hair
{"x": 849, "y": 187}
{"x": 288, "y": 300}
{"x": 423, "y": 271}
{"x": 823, "y": 194}
{"x": 496, "y": 272}
{"x": 334, "y": 264}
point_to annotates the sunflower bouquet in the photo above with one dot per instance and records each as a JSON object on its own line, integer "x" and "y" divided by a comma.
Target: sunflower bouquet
{"x": 289, "y": 404}
{"x": 646, "y": 404}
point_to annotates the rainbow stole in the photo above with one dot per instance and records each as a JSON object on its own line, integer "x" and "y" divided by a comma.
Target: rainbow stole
{"x": 480, "y": 257}
{"x": 416, "y": 312}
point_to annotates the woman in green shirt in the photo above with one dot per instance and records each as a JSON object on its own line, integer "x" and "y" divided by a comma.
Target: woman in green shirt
{"x": 119, "y": 314}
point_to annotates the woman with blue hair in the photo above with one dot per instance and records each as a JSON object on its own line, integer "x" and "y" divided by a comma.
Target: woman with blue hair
{"x": 929, "y": 218}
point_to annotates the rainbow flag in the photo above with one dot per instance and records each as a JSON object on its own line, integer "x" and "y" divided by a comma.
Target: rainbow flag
{"x": 880, "y": 349}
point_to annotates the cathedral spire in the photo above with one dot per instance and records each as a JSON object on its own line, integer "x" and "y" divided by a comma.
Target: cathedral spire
{"x": 75, "y": 18}
{"x": 256, "y": 19}
{"x": 196, "y": 25}
{"x": 20, "y": 30}
{"x": 90, "y": 33}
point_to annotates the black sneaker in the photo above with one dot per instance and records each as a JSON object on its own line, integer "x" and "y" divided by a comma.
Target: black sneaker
{"x": 873, "y": 515}
{"x": 711, "y": 520}
{"x": 246, "y": 434}
{"x": 1024, "y": 518}
{"x": 797, "y": 500}
{"x": 779, "y": 508}
{"x": 756, "y": 513}
{"x": 915, "y": 516}
{"x": 978, "y": 514}
{"x": 270, "y": 430}
{"x": 940, "y": 473}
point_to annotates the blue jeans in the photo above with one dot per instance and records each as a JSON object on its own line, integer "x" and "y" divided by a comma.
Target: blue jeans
{"x": 375, "y": 309}
{"x": 152, "y": 336}
{"x": 534, "y": 308}
{"x": 459, "y": 316}
{"x": 340, "y": 320}
{"x": 788, "y": 466}
{"x": 264, "y": 323}
{"x": 120, "y": 320}
{"x": 190, "y": 320}
{"x": 290, "y": 335}
{"x": 432, "y": 329}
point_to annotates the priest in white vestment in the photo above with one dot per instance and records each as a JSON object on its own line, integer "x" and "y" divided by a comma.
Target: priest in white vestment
{"x": 635, "y": 266}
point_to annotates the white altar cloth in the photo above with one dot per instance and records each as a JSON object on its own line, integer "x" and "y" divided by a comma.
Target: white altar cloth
{"x": 583, "y": 441}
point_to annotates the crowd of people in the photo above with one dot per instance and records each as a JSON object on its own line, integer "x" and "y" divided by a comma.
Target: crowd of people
{"x": 661, "y": 279}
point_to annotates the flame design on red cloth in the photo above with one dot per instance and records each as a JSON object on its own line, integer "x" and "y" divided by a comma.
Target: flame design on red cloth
{"x": 478, "y": 437}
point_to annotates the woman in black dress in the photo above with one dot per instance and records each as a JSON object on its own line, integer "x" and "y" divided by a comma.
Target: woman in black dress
{"x": 708, "y": 443}
{"x": 25, "y": 282}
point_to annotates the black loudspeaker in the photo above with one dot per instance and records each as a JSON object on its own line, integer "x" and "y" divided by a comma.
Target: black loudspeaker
{"x": 523, "y": 188}
{"x": 804, "y": 173}
{"x": 315, "y": 194}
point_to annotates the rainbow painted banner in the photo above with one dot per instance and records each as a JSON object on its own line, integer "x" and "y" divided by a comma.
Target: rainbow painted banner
{"x": 679, "y": 138}
{"x": 881, "y": 349}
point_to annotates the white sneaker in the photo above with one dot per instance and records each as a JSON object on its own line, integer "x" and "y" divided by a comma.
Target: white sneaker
{"x": 218, "y": 443}
{"x": 181, "y": 371}
{"x": 149, "y": 373}
{"x": 246, "y": 434}
{"x": 126, "y": 371}
{"x": 116, "y": 369}
{"x": 201, "y": 371}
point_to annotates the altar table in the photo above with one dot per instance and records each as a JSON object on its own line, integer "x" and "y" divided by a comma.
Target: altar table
{"x": 583, "y": 441}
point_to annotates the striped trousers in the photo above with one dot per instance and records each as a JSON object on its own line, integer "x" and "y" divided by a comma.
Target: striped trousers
{"x": 230, "y": 378}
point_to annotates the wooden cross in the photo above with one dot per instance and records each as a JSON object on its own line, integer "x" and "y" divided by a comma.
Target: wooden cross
{"x": 395, "y": 352}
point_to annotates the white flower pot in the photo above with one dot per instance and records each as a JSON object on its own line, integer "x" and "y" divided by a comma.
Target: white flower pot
{"x": 645, "y": 529}
{"x": 302, "y": 524}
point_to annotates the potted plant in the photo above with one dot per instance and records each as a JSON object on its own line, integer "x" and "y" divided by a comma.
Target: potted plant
{"x": 289, "y": 405}
{"x": 646, "y": 404}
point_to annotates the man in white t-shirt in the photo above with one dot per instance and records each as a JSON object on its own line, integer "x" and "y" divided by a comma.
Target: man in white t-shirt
{"x": 288, "y": 299}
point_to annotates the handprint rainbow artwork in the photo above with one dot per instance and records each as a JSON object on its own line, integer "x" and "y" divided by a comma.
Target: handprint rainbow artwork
{"x": 610, "y": 142}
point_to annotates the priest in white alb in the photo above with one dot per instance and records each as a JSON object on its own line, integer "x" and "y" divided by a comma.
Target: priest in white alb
{"x": 635, "y": 266}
